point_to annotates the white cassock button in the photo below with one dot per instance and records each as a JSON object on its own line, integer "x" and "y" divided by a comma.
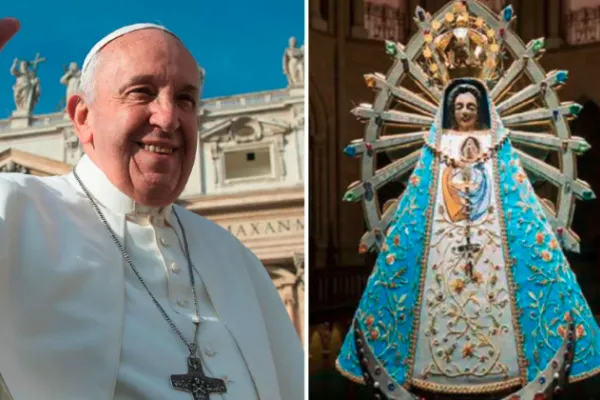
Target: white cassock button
{"x": 164, "y": 242}
{"x": 209, "y": 352}
{"x": 182, "y": 303}
{"x": 174, "y": 268}
{"x": 195, "y": 319}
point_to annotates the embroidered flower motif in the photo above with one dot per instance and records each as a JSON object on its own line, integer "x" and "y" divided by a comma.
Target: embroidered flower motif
{"x": 567, "y": 316}
{"x": 457, "y": 285}
{"x": 493, "y": 279}
{"x": 414, "y": 180}
{"x": 562, "y": 331}
{"x": 374, "y": 333}
{"x": 390, "y": 258}
{"x": 546, "y": 255}
{"x": 468, "y": 350}
{"x": 477, "y": 278}
{"x": 370, "y": 320}
{"x": 384, "y": 247}
{"x": 397, "y": 240}
{"x": 520, "y": 177}
{"x": 579, "y": 331}
{"x": 553, "y": 244}
{"x": 540, "y": 237}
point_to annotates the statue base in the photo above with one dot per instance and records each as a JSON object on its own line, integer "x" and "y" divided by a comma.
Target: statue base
{"x": 20, "y": 119}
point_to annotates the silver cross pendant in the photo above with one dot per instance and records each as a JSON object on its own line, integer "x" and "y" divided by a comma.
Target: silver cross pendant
{"x": 195, "y": 382}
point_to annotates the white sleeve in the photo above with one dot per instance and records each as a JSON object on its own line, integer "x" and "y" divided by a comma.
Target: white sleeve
{"x": 286, "y": 348}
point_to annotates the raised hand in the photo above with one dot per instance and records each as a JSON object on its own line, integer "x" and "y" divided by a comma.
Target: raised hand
{"x": 8, "y": 27}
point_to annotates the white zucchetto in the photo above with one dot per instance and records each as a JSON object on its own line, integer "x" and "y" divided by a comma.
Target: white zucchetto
{"x": 118, "y": 33}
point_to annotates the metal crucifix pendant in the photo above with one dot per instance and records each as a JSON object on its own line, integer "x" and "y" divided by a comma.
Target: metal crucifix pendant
{"x": 196, "y": 383}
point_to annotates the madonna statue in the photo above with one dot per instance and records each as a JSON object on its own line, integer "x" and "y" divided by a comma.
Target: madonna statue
{"x": 471, "y": 292}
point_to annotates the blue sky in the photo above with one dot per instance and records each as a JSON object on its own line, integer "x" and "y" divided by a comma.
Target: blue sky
{"x": 239, "y": 42}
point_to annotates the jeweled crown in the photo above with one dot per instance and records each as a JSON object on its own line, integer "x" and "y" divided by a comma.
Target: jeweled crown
{"x": 460, "y": 43}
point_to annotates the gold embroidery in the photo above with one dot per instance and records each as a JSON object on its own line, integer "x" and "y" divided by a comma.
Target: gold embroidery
{"x": 509, "y": 276}
{"x": 466, "y": 389}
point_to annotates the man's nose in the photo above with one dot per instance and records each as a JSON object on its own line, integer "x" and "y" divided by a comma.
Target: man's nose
{"x": 165, "y": 115}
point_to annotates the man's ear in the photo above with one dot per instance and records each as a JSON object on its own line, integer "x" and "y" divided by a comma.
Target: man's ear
{"x": 78, "y": 112}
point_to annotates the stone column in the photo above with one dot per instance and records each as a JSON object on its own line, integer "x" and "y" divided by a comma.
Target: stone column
{"x": 554, "y": 21}
{"x": 357, "y": 30}
{"x": 316, "y": 20}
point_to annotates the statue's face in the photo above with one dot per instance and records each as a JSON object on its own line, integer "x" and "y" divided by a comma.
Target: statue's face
{"x": 465, "y": 112}
{"x": 24, "y": 66}
{"x": 292, "y": 42}
{"x": 73, "y": 66}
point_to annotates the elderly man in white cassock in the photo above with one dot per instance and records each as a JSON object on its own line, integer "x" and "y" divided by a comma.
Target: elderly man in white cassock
{"x": 108, "y": 290}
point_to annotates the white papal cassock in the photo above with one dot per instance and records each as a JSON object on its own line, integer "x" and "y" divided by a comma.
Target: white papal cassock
{"x": 75, "y": 322}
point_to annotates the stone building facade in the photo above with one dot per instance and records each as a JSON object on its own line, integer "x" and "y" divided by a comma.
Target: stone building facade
{"x": 346, "y": 41}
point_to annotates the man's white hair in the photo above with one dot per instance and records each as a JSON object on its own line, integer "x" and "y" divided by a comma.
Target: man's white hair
{"x": 87, "y": 83}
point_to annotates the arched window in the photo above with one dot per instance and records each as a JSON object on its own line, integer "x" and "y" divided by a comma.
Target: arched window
{"x": 583, "y": 21}
{"x": 387, "y": 19}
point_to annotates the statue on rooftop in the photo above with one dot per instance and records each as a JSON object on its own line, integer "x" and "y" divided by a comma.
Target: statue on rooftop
{"x": 27, "y": 89}
{"x": 71, "y": 79}
{"x": 293, "y": 63}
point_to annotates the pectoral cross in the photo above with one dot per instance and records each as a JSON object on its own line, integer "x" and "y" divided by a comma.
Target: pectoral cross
{"x": 196, "y": 383}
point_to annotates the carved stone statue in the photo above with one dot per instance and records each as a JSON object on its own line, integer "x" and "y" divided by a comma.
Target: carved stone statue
{"x": 293, "y": 63}
{"x": 12, "y": 166}
{"x": 27, "y": 89}
{"x": 71, "y": 79}
{"x": 73, "y": 148}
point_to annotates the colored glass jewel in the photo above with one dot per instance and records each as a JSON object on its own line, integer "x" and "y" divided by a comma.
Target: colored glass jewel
{"x": 391, "y": 387}
{"x": 350, "y": 150}
{"x": 542, "y": 380}
{"x": 377, "y": 370}
{"x": 582, "y": 147}
{"x": 368, "y": 191}
{"x": 421, "y": 14}
{"x": 369, "y": 148}
{"x": 350, "y": 197}
{"x": 588, "y": 195}
{"x": 508, "y": 13}
{"x": 405, "y": 64}
{"x": 539, "y": 396}
{"x": 560, "y": 230}
{"x": 370, "y": 81}
{"x": 575, "y": 109}
{"x": 390, "y": 48}
{"x": 502, "y": 32}
{"x": 555, "y": 114}
{"x": 538, "y": 44}
{"x": 363, "y": 248}
{"x": 562, "y": 76}
{"x": 554, "y": 364}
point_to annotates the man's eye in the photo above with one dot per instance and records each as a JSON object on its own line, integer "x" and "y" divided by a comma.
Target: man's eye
{"x": 189, "y": 100}
{"x": 142, "y": 90}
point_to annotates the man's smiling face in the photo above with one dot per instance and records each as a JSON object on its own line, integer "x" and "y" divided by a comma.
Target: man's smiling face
{"x": 141, "y": 124}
